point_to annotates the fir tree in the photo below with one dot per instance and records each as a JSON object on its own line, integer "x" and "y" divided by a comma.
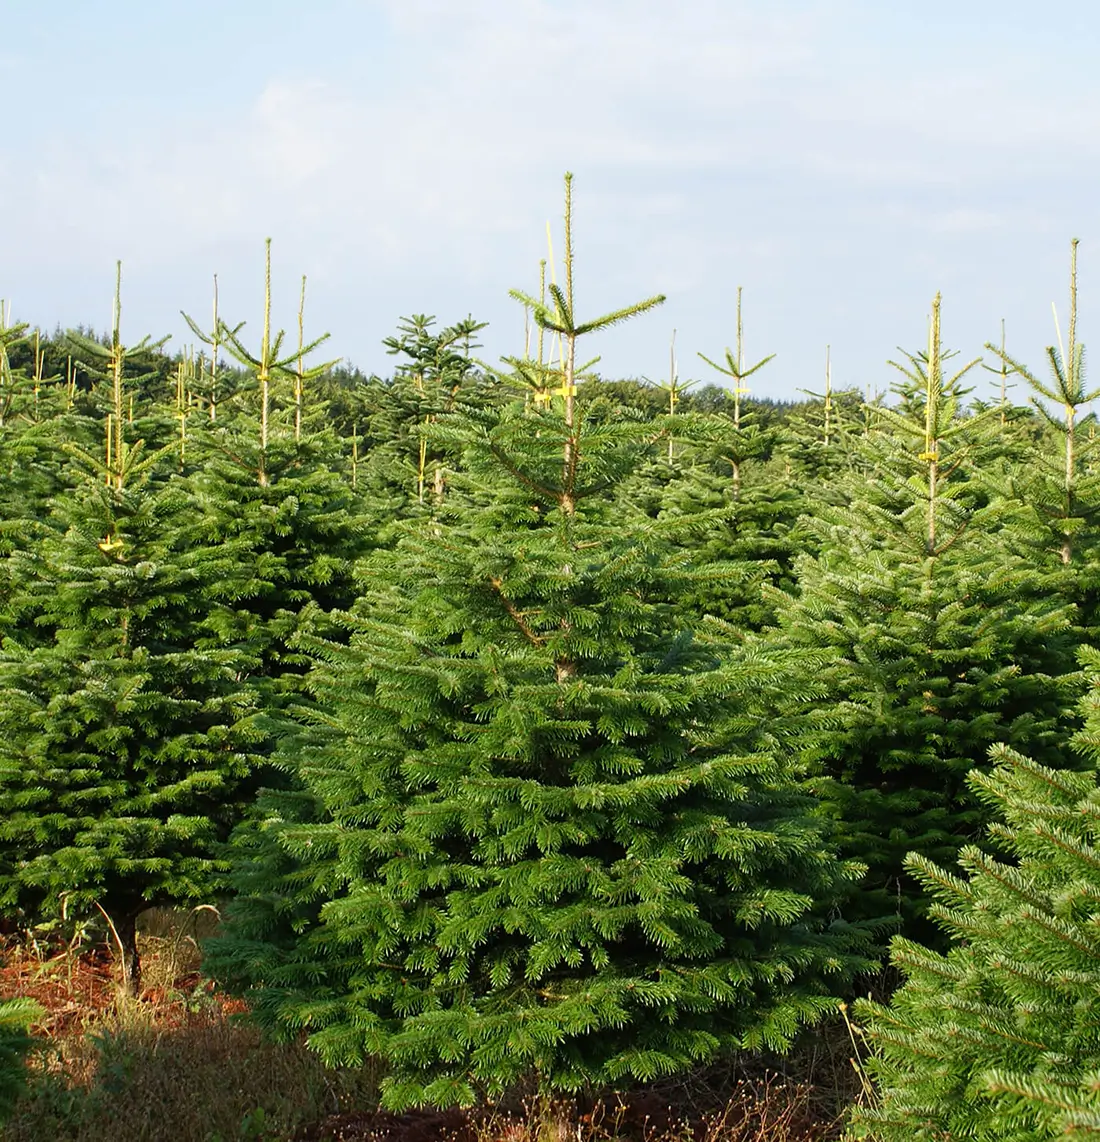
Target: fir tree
{"x": 999, "y": 1039}
{"x": 1056, "y": 479}
{"x": 818, "y": 436}
{"x": 742, "y": 443}
{"x": 402, "y": 475}
{"x": 532, "y": 842}
{"x": 34, "y": 417}
{"x": 717, "y": 490}
{"x": 269, "y": 479}
{"x": 947, "y": 638}
{"x": 729, "y": 502}
{"x": 128, "y": 726}
{"x": 126, "y": 734}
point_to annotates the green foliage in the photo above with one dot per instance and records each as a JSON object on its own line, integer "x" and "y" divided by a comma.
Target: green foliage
{"x": 535, "y": 835}
{"x": 1055, "y": 476}
{"x": 999, "y": 1039}
{"x": 946, "y": 637}
{"x": 727, "y": 499}
{"x": 537, "y": 847}
{"x": 403, "y": 474}
{"x": 16, "y": 1016}
{"x": 576, "y": 704}
{"x": 126, "y": 729}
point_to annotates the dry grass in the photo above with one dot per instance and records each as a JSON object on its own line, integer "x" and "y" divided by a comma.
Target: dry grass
{"x": 175, "y": 1065}
{"x": 199, "y": 1079}
{"x": 172, "y": 1064}
{"x": 764, "y": 1110}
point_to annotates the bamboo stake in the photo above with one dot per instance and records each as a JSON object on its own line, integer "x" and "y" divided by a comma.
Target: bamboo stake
{"x": 181, "y": 409}
{"x": 355, "y": 455}
{"x": 737, "y": 387}
{"x": 673, "y": 395}
{"x": 569, "y": 387}
{"x": 116, "y": 359}
{"x": 542, "y": 298}
{"x": 39, "y": 368}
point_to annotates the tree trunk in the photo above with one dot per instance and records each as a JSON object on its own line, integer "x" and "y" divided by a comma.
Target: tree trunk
{"x": 125, "y": 930}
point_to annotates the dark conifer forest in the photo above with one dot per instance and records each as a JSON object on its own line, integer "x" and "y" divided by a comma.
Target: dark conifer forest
{"x": 535, "y": 730}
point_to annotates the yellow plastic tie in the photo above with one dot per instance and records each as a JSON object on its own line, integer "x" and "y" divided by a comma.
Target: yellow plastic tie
{"x": 542, "y": 396}
{"x": 929, "y": 456}
{"x": 568, "y": 391}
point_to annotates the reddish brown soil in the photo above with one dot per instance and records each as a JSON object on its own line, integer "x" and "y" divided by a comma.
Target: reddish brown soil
{"x": 79, "y": 991}
{"x": 75, "y": 990}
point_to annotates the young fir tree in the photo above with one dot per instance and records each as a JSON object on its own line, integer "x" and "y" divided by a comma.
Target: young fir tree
{"x": 534, "y": 845}
{"x": 741, "y": 441}
{"x": 21, "y": 496}
{"x": 127, "y": 725}
{"x": 947, "y": 638}
{"x": 34, "y": 418}
{"x": 1057, "y": 480}
{"x": 999, "y": 1039}
{"x": 270, "y": 479}
{"x": 715, "y": 488}
{"x": 818, "y": 436}
{"x": 400, "y": 474}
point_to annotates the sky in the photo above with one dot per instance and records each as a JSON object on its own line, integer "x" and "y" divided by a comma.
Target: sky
{"x": 840, "y": 160}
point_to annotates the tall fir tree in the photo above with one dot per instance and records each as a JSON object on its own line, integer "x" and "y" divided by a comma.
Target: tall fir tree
{"x": 1056, "y": 479}
{"x": 128, "y": 727}
{"x": 270, "y": 478}
{"x": 946, "y": 637}
{"x": 532, "y": 841}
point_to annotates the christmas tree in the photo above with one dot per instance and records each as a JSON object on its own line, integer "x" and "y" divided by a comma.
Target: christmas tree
{"x": 999, "y": 1039}
{"x": 946, "y": 636}
{"x": 533, "y": 840}
{"x": 128, "y": 725}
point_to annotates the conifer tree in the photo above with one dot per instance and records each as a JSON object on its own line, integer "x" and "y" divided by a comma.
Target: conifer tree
{"x": 947, "y": 637}
{"x": 437, "y": 373}
{"x": 818, "y": 435}
{"x": 1057, "y": 480}
{"x": 269, "y": 479}
{"x": 531, "y": 842}
{"x": 718, "y": 491}
{"x": 742, "y": 443}
{"x": 999, "y": 1039}
{"x": 33, "y": 420}
{"x": 128, "y": 726}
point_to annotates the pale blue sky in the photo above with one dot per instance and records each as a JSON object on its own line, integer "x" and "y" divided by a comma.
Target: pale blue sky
{"x": 840, "y": 159}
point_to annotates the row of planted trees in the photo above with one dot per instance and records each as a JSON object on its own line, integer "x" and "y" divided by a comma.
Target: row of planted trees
{"x": 532, "y": 730}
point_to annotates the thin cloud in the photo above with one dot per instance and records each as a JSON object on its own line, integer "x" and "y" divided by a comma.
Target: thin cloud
{"x": 715, "y": 143}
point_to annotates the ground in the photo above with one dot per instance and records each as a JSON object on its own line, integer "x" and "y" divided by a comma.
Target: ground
{"x": 179, "y": 1063}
